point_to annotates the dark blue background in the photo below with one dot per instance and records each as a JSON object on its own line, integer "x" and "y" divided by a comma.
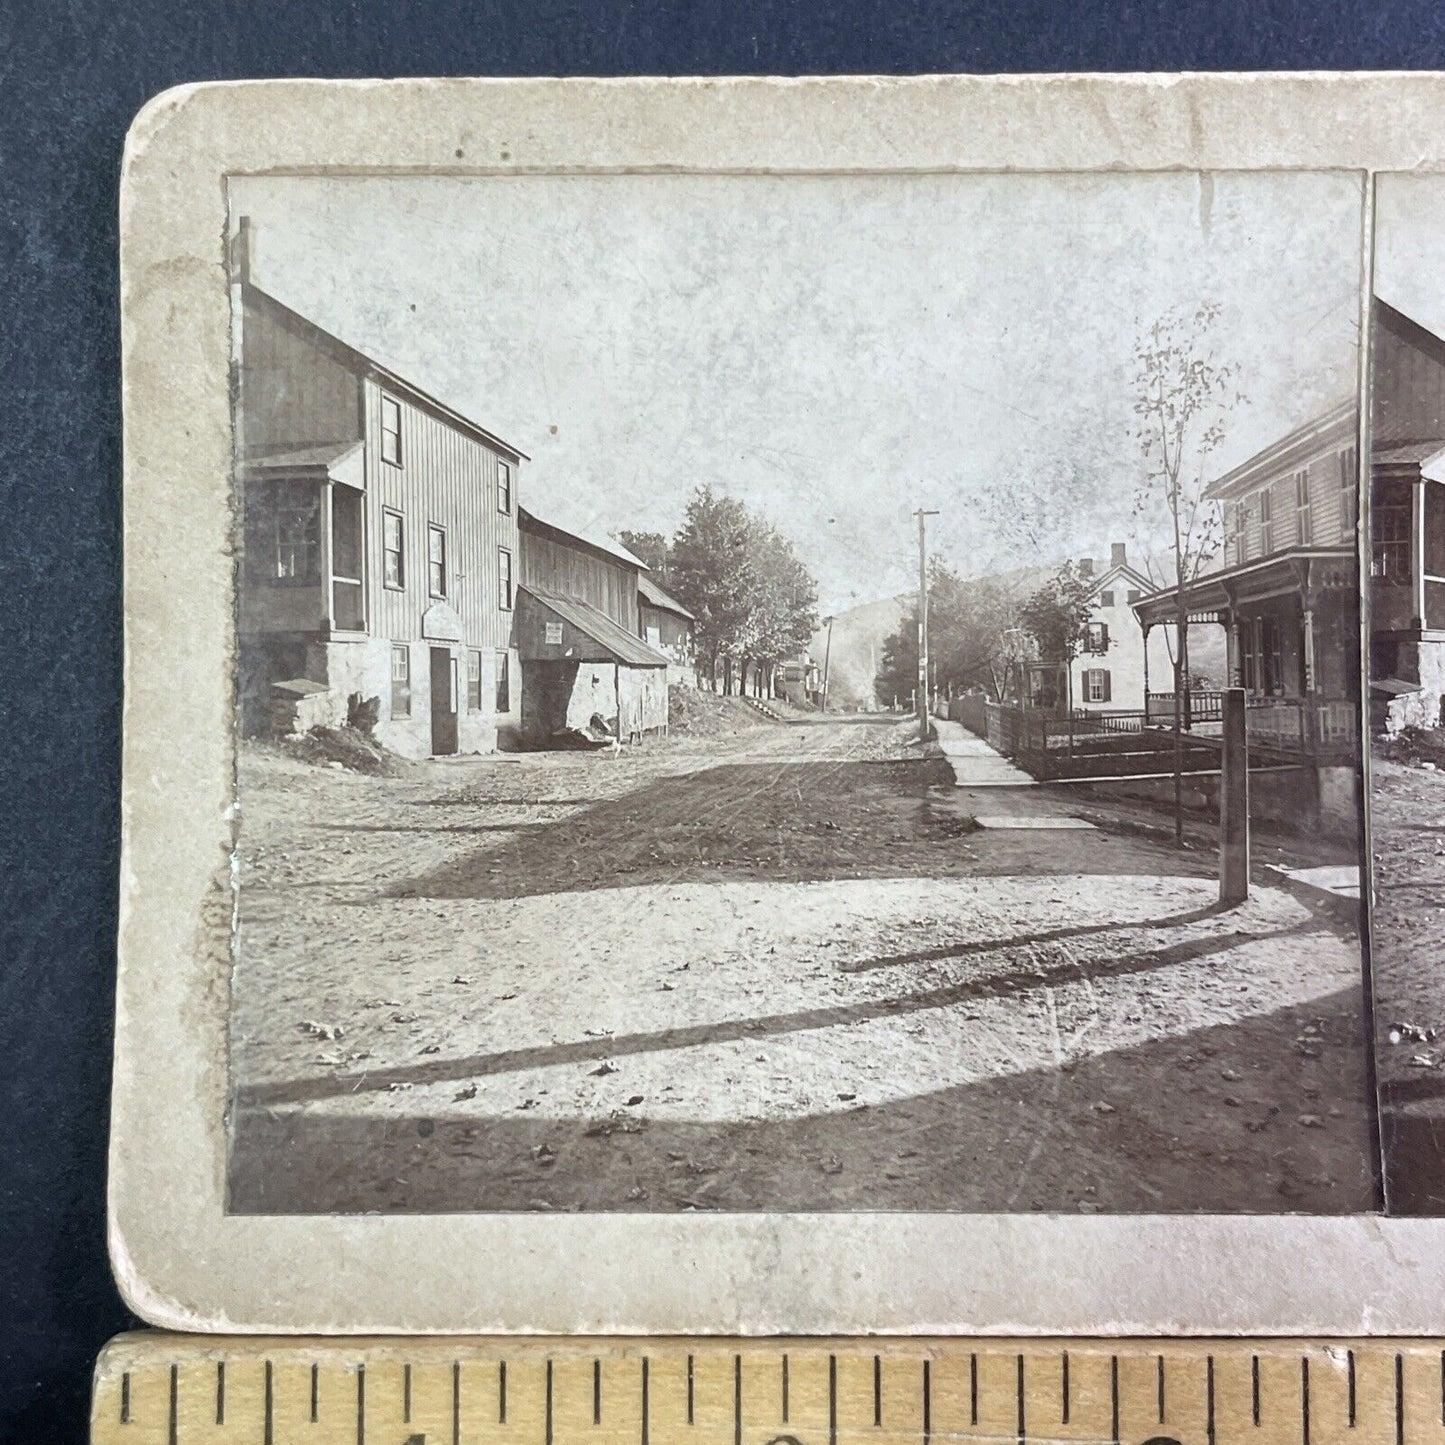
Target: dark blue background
{"x": 74, "y": 74}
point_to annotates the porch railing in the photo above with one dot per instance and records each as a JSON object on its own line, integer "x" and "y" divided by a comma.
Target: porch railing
{"x": 1200, "y": 706}
{"x": 1306, "y": 725}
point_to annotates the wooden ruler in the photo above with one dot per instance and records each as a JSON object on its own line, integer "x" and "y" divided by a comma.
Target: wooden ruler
{"x": 161, "y": 1389}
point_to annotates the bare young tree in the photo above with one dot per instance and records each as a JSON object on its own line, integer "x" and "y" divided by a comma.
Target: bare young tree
{"x": 1183, "y": 395}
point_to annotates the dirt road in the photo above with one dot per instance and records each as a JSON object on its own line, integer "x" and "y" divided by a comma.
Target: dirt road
{"x": 777, "y": 969}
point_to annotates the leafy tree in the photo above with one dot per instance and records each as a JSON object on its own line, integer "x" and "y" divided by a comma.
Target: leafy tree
{"x": 1182, "y": 397}
{"x": 1057, "y": 616}
{"x": 651, "y": 549}
{"x": 711, "y": 573}
{"x": 784, "y": 612}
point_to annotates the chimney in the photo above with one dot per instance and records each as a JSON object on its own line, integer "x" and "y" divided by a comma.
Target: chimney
{"x": 1119, "y": 554}
{"x": 242, "y": 246}
{"x": 1086, "y": 566}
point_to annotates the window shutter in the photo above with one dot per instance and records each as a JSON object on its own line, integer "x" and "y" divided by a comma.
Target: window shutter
{"x": 1104, "y": 680}
{"x": 1103, "y": 637}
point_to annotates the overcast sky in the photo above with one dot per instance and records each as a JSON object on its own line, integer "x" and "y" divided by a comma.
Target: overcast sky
{"x": 833, "y": 350}
{"x": 1410, "y": 247}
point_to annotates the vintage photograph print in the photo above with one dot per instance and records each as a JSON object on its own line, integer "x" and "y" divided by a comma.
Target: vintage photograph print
{"x": 1407, "y": 681}
{"x": 806, "y": 693}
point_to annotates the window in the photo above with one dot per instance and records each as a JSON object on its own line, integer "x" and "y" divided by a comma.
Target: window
{"x": 504, "y": 684}
{"x": 1304, "y": 522}
{"x": 1390, "y": 522}
{"x": 393, "y": 552}
{"x": 1349, "y": 493}
{"x": 391, "y": 431}
{"x": 1106, "y": 599}
{"x": 1266, "y": 520}
{"x": 504, "y": 487}
{"x": 1270, "y": 658}
{"x": 1097, "y": 639}
{"x": 474, "y": 681}
{"x": 1236, "y": 518}
{"x": 1134, "y": 595}
{"x": 1096, "y": 684}
{"x": 296, "y": 535}
{"x": 400, "y": 680}
{"x": 436, "y": 561}
{"x": 348, "y": 593}
{"x": 504, "y": 577}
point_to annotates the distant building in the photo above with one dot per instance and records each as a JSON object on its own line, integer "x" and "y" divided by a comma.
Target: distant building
{"x": 378, "y": 542}
{"x": 665, "y": 624}
{"x": 1110, "y": 670}
{"x": 577, "y": 637}
{"x": 1407, "y": 521}
{"x": 799, "y": 681}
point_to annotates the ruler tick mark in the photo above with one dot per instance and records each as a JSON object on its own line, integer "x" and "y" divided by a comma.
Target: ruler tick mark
{"x": 1254, "y": 1386}
{"x": 927, "y": 1401}
{"x": 645, "y": 1403}
{"x": 596, "y": 1392}
{"x": 406, "y": 1394}
{"x": 1114, "y": 1398}
{"x": 501, "y": 1392}
{"x": 220, "y": 1392}
{"x": 125, "y": 1395}
{"x": 973, "y": 1389}
{"x": 315, "y": 1390}
{"x": 1209, "y": 1398}
{"x": 1350, "y": 1385}
{"x": 361, "y": 1405}
{"x": 785, "y": 1388}
{"x": 737, "y": 1399}
{"x": 1159, "y": 1384}
{"x": 268, "y": 1424}
{"x": 1064, "y": 1386}
{"x": 548, "y": 1422}
{"x": 1022, "y": 1423}
{"x": 456, "y": 1402}
{"x": 1399, "y": 1400}
{"x": 832, "y": 1400}
{"x": 175, "y": 1386}
{"x": 877, "y": 1391}
{"x": 689, "y": 1388}
{"x": 1304, "y": 1399}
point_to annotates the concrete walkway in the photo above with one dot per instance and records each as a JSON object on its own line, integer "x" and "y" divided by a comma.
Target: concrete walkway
{"x": 998, "y": 794}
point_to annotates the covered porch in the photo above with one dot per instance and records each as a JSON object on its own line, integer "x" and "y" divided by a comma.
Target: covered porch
{"x": 1291, "y": 626}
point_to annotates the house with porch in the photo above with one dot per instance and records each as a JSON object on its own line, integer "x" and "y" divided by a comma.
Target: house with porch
{"x": 1285, "y": 590}
{"x": 377, "y": 541}
{"x": 1407, "y": 521}
{"x": 584, "y": 664}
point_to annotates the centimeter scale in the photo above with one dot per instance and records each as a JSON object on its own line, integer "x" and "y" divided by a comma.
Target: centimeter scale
{"x": 163, "y": 1389}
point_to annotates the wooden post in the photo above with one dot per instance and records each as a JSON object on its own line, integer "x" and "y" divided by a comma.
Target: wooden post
{"x": 1234, "y": 802}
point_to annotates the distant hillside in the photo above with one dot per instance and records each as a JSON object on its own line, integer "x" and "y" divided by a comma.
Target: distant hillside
{"x": 858, "y": 637}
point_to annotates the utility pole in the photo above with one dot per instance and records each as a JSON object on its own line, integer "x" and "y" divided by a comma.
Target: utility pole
{"x": 827, "y": 657}
{"x": 921, "y": 694}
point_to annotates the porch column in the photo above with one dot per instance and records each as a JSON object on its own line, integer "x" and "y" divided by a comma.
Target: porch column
{"x": 1308, "y": 655}
{"x": 1146, "y": 627}
{"x": 1417, "y": 550}
{"x": 1232, "y": 665}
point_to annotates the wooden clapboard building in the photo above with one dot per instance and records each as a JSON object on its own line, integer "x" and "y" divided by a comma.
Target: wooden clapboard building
{"x": 584, "y": 664}
{"x": 379, "y": 542}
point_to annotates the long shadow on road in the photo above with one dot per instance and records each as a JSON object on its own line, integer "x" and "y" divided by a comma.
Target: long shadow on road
{"x": 785, "y": 821}
{"x": 1144, "y": 1128}
{"x": 999, "y": 986}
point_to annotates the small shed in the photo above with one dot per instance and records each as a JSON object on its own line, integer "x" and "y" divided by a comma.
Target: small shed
{"x": 665, "y": 624}
{"x": 579, "y": 664}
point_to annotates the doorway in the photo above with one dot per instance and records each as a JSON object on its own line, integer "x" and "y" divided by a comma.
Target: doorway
{"x": 443, "y": 701}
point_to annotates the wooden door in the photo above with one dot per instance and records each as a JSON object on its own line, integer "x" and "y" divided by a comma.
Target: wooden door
{"x": 443, "y": 701}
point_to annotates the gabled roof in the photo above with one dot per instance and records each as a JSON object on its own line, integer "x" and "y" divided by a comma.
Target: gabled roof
{"x": 596, "y": 542}
{"x": 654, "y": 596}
{"x": 1126, "y": 572}
{"x": 611, "y": 636}
{"x": 340, "y": 461}
{"x": 1340, "y": 423}
{"x": 360, "y": 361}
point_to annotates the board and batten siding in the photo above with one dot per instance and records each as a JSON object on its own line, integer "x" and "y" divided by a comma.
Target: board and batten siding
{"x": 578, "y": 571}
{"x": 449, "y": 479}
